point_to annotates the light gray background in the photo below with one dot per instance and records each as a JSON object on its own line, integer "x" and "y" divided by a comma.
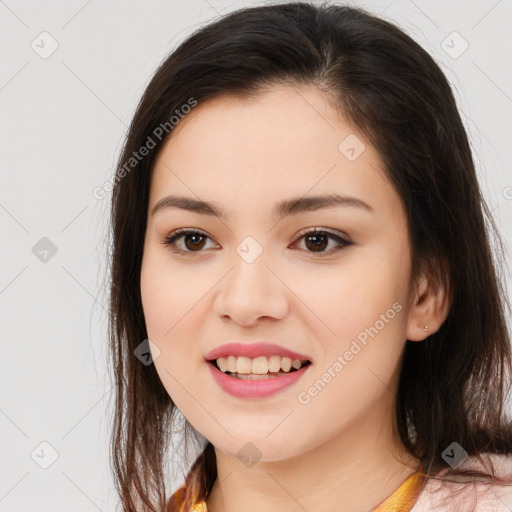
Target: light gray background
{"x": 63, "y": 119}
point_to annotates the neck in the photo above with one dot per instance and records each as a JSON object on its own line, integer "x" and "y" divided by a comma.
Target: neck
{"x": 353, "y": 471}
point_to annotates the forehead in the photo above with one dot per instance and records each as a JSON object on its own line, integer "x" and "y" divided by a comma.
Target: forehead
{"x": 283, "y": 142}
{"x": 282, "y": 123}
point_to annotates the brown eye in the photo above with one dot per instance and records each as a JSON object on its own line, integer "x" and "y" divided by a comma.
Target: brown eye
{"x": 196, "y": 241}
{"x": 317, "y": 241}
{"x": 193, "y": 241}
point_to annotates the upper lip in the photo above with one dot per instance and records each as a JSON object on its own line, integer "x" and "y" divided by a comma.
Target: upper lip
{"x": 253, "y": 350}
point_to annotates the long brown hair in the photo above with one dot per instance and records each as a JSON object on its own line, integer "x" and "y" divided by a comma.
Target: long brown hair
{"x": 454, "y": 384}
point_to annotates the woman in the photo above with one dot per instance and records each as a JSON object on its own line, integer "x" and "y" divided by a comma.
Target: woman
{"x": 301, "y": 268}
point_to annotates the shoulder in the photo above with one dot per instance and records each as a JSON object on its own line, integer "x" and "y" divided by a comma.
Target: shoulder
{"x": 477, "y": 496}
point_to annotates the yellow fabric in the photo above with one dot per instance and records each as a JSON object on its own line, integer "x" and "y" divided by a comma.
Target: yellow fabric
{"x": 402, "y": 500}
{"x": 200, "y": 507}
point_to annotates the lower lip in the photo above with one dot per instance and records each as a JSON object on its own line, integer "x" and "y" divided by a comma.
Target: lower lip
{"x": 242, "y": 388}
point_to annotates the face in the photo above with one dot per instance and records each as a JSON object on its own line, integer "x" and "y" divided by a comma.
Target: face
{"x": 339, "y": 297}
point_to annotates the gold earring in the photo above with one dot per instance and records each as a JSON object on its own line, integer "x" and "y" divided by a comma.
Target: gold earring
{"x": 426, "y": 328}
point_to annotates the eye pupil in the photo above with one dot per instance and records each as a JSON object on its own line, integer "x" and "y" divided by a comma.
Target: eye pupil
{"x": 316, "y": 246}
{"x": 194, "y": 235}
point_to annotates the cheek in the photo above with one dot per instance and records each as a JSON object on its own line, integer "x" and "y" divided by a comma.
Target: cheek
{"x": 156, "y": 299}
{"x": 353, "y": 295}
{"x": 365, "y": 314}
{"x": 168, "y": 294}
{"x": 172, "y": 305}
{"x": 362, "y": 308}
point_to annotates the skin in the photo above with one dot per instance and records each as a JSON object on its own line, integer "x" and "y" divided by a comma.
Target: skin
{"x": 339, "y": 451}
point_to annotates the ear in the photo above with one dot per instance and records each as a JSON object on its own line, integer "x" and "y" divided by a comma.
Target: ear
{"x": 431, "y": 303}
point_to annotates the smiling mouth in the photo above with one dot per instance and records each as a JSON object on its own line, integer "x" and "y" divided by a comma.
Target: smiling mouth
{"x": 255, "y": 376}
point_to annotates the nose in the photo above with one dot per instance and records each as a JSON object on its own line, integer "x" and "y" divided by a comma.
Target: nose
{"x": 251, "y": 291}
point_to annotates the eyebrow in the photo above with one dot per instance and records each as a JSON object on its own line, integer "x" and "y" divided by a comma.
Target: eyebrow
{"x": 291, "y": 206}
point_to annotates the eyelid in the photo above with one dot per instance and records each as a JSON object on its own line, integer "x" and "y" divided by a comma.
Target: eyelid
{"x": 315, "y": 229}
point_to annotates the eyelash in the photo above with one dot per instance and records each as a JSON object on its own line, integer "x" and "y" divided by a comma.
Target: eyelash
{"x": 170, "y": 240}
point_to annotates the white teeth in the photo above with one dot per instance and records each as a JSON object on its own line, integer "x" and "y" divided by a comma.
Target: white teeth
{"x": 243, "y": 365}
{"x": 286, "y": 364}
{"x": 258, "y": 366}
{"x": 222, "y": 363}
{"x": 274, "y": 364}
{"x": 232, "y": 364}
